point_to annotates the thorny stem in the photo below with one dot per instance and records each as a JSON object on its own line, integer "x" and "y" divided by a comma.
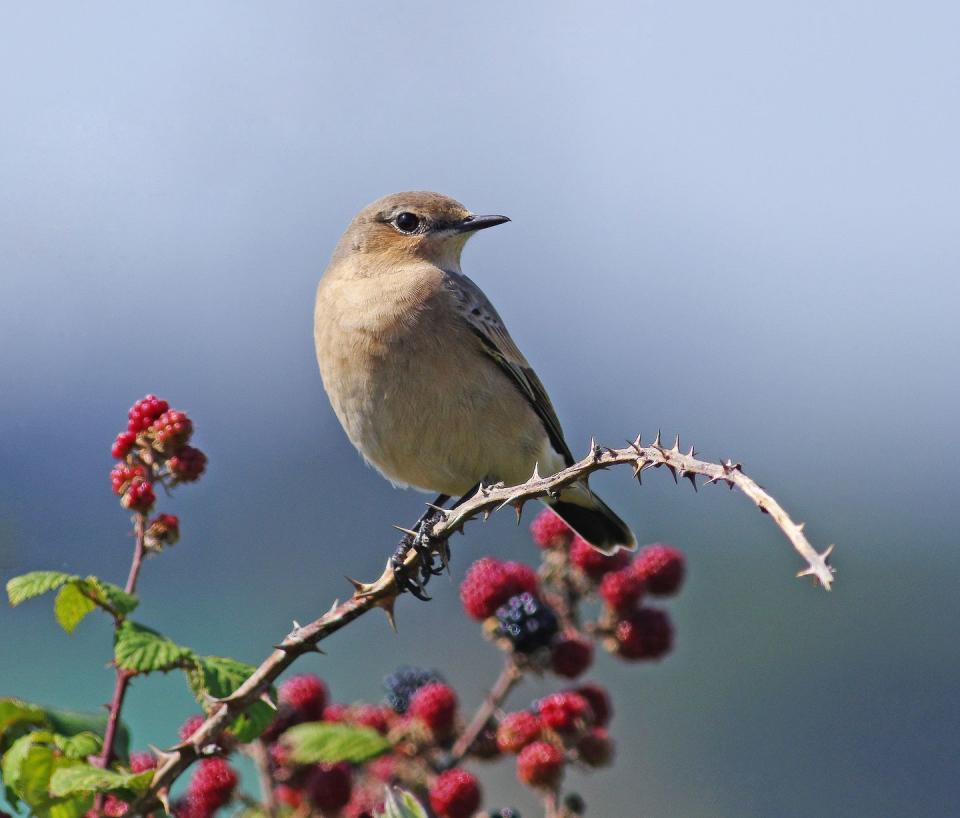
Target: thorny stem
{"x": 123, "y": 676}
{"x": 258, "y": 752}
{"x": 551, "y": 804}
{"x": 383, "y": 593}
{"x": 508, "y": 678}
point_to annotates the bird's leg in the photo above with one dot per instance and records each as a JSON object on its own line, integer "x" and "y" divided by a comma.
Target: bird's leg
{"x": 419, "y": 540}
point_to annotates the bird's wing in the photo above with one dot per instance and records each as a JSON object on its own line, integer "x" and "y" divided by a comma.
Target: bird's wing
{"x": 475, "y": 309}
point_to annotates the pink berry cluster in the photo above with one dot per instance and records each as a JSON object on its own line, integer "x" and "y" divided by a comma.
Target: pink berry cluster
{"x": 419, "y": 735}
{"x": 629, "y": 628}
{"x": 154, "y": 449}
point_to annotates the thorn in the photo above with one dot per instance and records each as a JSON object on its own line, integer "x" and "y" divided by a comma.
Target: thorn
{"x": 676, "y": 445}
{"x": 800, "y": 527}
{"x": 443, "y": 512}
{"x": 162, "y": 756}
{"x": 673, "y": 471}
{"x": 406, "y": 530}
{"x": 656, "y": 443}
{"x": 361, "y": 589}
{"x": 518, "y": 507}
{"x": 692, "y": 452}
{"x": 296, "y": 625}
{"x": 486, "y": 514}
{"x": 636, "y": 444}
{"x": 310, "y": 647}
{"x": 213, "y": 701}
{"x": 163, "y": 796}
{"x": 692, "y": 477}
{"x": 336, "y": 604}
{"x": 593, "y": 448}
{"x": 535, "y": 477}
{"x": 267, "y": 700}
{"x": 388, "y": 603}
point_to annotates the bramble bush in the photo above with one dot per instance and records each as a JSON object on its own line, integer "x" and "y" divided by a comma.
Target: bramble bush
{"x": 415, "y": 753}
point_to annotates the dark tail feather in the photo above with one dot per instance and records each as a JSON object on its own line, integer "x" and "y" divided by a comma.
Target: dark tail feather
{"x": 596, "y": 523}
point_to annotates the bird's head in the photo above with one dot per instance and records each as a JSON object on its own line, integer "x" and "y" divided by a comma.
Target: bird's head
{"x": 417, "y": 225}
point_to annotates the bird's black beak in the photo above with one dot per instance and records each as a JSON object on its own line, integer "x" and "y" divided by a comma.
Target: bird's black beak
{"x": 471, "y": 223}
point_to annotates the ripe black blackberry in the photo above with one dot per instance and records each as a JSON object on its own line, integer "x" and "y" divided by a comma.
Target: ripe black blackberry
{"x": 526, "y": 622}
{"x": 404, "y": 682}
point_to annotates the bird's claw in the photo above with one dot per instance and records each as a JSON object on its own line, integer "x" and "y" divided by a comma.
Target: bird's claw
{"x": 413, "y": 578}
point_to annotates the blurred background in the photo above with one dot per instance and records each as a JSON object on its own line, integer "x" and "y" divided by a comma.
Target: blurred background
{"x": 736, "y": 222}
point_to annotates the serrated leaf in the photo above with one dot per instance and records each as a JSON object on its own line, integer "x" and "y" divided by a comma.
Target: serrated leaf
{"x": 79, "y": 746}
{"x": 112, "y": 597}
{"x": 219, "y": 676}
{"x": 82, "y": 778}
{"x": 141, "y": 649}
{"x": 401, "y": 804}
{"x": 330, "y": 742}
{"x": 71, "y": 606}
{"x": 27, "y": 586}
{"x": 27, "y": 768}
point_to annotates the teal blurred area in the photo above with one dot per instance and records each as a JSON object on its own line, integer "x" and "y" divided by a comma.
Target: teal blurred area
{"x": 736, "y": 222}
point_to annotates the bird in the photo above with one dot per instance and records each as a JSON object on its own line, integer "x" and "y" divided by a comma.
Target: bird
{"x": 422, "y": 373}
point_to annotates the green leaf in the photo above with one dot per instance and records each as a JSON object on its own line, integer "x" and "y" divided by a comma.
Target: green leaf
{"x": 141, "y": 649}
{"x": 79, "y": 746}
{"x": 401, "y": 804}
{"x": 331, "y": 742}
{"x": 70, "y": 723}
{"x": 111, "y": 597}
{"x": 71, "y": 606}
{"x": 14, "y": 713}
{"x": 82, "y": 778}
{"x": 27, "y": 586}
{"x": 27, "y": 768}
{"x": 219, "y": 676}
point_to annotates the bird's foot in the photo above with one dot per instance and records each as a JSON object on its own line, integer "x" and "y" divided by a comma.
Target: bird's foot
{"x": 431, "y": 560}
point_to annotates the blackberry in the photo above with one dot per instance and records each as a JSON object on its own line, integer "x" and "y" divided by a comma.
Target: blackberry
{"x": 404, "y": 682}
{"x": 506, "y": 812}
{"x": 526, "y": 622}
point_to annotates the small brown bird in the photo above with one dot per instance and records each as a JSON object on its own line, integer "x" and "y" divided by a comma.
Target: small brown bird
{"x": 421, "y": 370}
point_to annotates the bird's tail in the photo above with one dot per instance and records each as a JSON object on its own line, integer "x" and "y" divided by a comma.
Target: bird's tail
{"x": 593, "y": 520}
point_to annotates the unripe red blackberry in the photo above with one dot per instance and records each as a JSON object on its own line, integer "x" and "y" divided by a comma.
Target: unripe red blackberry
{"x": 288, "y": 796}
{"x": 455, "y": 794}
{"x": 304, "y": 694}
{"x": 644, "y": 634}
{"x": 599, "y": 701}
{"x": 550, "y": 531}
{"x": 171, "y": 430}
{"x": 139, "y": 496}
{"x": 372, "y": 716}
{"x": 571, "y": 656}
{"x": 122, "y": 474}
{"x": 212, "y": 785}
{"x": 523, "y": 576}
{"x": 517, "y": 730}
{"x": 113, "y": 807}
{"x": 435, "y": 704}
{"x": 141, "y": 762}
{"x": 622, "y": 590}
{"x": 145, "y": 411}
{"x": 661, "y": 567}
{"x": 565, "y": 712}
{"x": 164, "y": 529}
{"x": 595, "y": 749}
{"x": 329, "y": 786}
{"x": 190, "y": 726}
{"x": 486, "y": 586}
{"x": 123, "y": 444}
{"x": 186, "y": 464}
{"x": 594, "y": 564}
{"x": 336, "y": 712}
{"x": 540, "y": 765}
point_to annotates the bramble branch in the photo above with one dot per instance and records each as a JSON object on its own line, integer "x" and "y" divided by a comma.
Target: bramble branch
{"x": 384, "y": 592}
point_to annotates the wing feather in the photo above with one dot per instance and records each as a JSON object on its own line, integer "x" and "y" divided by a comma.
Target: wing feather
{"x": 483, "y": 320}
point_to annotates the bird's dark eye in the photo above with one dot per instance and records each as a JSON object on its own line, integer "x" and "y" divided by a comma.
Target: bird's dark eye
{"x": 407, "y": 222}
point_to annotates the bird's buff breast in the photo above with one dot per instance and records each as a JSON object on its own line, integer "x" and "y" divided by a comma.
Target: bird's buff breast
{"x": 415, "y": 394}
